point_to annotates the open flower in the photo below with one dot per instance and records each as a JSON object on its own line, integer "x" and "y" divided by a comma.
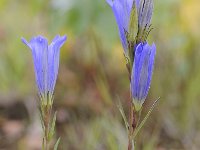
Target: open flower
{"x": 46, "y": 62}
{"x": 142, "y": 73}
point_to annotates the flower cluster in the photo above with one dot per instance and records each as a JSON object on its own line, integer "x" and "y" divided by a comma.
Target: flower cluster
{"x": 133, "y": 18}
{"x": 46, "y": 62}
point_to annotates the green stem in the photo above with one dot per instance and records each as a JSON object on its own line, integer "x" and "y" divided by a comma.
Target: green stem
{"x": 119, "y": 105}
{"x": 46, "y": 125}
{"x": 132, "y": 127}
{"x": 48, "y": 121}
{"x": 46, "y": 109}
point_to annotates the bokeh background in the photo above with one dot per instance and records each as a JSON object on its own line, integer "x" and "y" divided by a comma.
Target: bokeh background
{"x": 93, "y": 76}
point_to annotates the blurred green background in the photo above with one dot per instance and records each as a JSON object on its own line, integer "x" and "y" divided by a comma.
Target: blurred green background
{"x": 93, "y": 75}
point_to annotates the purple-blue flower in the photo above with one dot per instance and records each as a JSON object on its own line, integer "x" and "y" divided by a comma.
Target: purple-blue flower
{"x": 122, "y": 11}
{"x": 142, "y": 73}
{"x": 145, "y": 10}
{"x": 46, "y": 61}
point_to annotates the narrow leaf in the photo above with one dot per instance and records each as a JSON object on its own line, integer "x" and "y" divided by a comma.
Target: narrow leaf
{"x": 56, "y": 145}
{"x": 52, "y": 129}
{"x": 145, "y": 119}
{"x": 119, "y": 105}
{"x": 41, "y": 119}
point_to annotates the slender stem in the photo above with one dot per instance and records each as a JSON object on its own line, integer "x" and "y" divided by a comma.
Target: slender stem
{"x": 46, "y": 121}
{"x": 132, "y": 113}
{"x": 132, "y": 126}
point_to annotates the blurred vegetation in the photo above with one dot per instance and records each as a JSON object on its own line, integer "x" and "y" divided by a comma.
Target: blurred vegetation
{"x": 93, "y": 74}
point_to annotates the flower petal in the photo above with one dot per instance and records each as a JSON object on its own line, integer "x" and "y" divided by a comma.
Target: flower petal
{"x": 110, "y": 2}
{"x": 122, "y": 11}
{"x": 39, "y": 47}
{"x": 145, "y": 13}
{"x": 25, "y": 42}
{"x": 53, "y": 60}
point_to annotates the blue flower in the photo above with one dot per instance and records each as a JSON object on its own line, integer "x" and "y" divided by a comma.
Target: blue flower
{"x": 145, "y": 10}
{"x": 142, "y": 73}
{"x": 46, "y": 61}
{"x": 122, "y": 10}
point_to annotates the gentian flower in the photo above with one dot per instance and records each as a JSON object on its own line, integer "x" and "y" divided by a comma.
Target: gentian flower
{"x": 132, "y": 15}
{"x": 142, "y": 73}
{"x": 145, "y": 10}
{"x": 122, "y": 11}
{"x": 46, "y": 62}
